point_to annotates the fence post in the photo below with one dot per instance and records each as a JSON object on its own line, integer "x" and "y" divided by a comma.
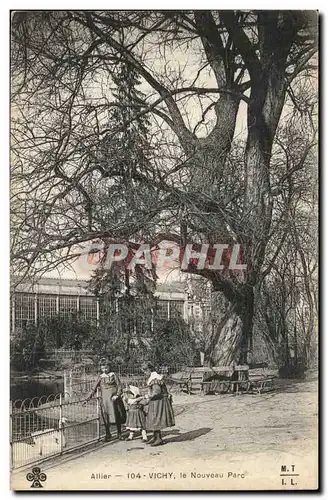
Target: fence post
{"x": 98, "y": 414}
{"x": 60, "y": 423}
{"x": 70, "y": 383}
{"x": 65, "y": 383}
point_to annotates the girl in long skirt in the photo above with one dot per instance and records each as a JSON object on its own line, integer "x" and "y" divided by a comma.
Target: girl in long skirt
{"x": 160, "y": 412}
{"x": 136, "y": 419}
{"x": 112, "y": 406}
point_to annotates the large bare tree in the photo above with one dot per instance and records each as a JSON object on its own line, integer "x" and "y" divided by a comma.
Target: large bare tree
{"x": 215, "y": 85}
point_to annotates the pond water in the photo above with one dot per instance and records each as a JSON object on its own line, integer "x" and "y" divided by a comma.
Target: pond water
{"x": 22, "y": 389}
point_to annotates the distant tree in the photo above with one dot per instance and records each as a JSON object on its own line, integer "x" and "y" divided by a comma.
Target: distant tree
{"x": 27, "y": 348}
{"x": 127, "y": 304}
{"x": 287, "y": 294}
{"x": 173, "y": 344}
{"x": 125, "y": 295}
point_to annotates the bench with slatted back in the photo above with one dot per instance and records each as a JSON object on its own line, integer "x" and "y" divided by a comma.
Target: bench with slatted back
{"x": 197, "y": 378}
{"x": 182, "y": 379}
{"x": 223, "y": 379}
{"x": 260, "y": 381}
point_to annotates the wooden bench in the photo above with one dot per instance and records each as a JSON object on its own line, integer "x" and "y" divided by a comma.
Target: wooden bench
{"x": 183, "y": 381}
{"x": 191, "y": 380}
{"x": 260, "y": 381}
{"x": 197, "y": 379}
{"x": 223, "y": 379}
{"x": 260, "y": 385}
{"x": 227, "y": 379}
{"x": 216, "y": 386}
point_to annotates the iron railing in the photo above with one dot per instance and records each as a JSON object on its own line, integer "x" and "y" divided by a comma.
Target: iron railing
{"x": 74, "y": 385}
{"x": 50, "y": 426}
{"x": 82, "y": 380}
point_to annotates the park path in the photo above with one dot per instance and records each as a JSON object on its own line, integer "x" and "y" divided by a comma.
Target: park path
{"x": 223, "y": 442}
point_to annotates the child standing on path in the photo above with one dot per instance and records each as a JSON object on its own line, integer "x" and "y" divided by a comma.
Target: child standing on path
{"x": 136, "y": 419}
{"x": 160, "y": 412}
{"x": 112, "y": 406}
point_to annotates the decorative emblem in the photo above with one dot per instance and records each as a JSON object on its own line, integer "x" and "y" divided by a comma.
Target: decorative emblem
{"x": 35, "y": 477}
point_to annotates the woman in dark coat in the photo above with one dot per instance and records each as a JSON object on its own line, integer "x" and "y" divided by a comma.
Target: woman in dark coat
{"x": 160, "y": 412}
{"x": 112, "y": 406}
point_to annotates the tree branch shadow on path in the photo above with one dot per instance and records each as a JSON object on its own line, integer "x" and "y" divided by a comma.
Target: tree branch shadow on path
{"x": 188, "y": 436}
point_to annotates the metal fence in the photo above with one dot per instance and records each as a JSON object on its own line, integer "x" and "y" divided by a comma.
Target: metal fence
{"x": 127, "y": 369}
{"x": 75, "y": 385}
{"x": 50, "y": 426}
{"x": 82, "y": 379}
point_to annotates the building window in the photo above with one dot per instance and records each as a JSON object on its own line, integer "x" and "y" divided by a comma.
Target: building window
{"x": 47, "y": 306}
{"x": 67, "y": 305}
{"x": 206, "y": 310}
{"x": 197, "y": 312}
{"x": 162, "y": 310}
{"x": 176, "y": 308}
{"x": 24, "y": 309}
{"x": 88, "y": 308}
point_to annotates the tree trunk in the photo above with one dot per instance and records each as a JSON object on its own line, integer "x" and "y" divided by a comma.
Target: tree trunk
{"x": 232, "y": 334}
{"x": 227, "y": 348}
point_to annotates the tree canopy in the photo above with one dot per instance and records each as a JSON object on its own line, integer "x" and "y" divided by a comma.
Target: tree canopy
{"x": 216, "y": 89}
